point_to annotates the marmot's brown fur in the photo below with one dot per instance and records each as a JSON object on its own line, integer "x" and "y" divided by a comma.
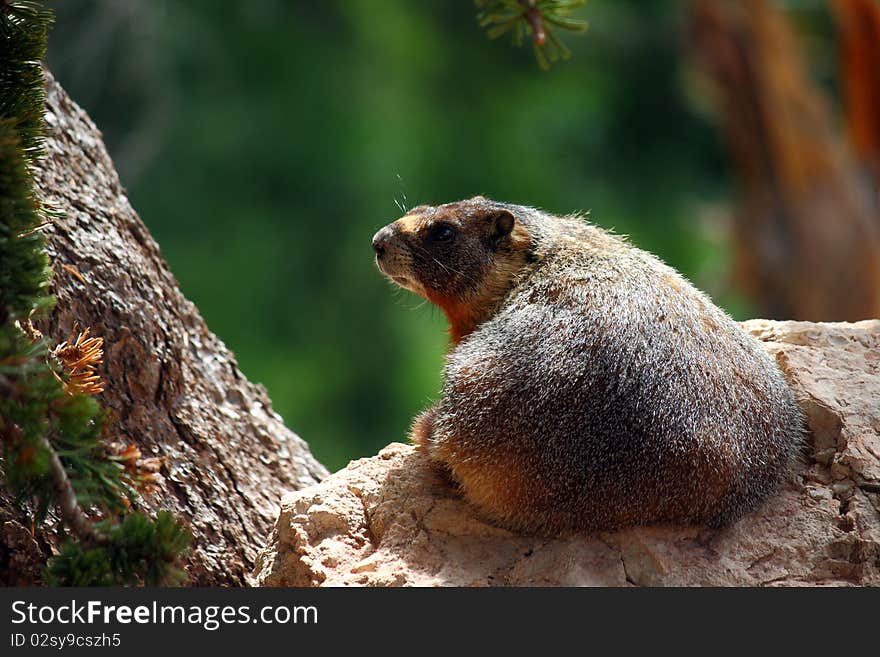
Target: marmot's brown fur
{"x": 588, "y": 386}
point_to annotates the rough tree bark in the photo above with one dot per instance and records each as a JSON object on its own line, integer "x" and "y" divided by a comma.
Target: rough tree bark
{"x": 172, "y": 387}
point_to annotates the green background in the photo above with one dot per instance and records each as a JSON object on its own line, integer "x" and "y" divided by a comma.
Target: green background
{"x": 264, "y": 142}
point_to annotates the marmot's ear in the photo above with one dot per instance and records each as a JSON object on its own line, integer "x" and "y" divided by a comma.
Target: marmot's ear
{"x": 504, "y": 222}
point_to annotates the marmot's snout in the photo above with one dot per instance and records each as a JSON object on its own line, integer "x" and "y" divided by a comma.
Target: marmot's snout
{"x": 393, "y": 258}
{"x": 380, "y": 240}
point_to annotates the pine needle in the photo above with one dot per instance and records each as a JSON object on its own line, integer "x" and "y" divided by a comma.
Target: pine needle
{"x": 538, "y": 19}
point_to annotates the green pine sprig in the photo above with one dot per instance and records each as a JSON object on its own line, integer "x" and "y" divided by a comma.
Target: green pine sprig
{"x": 538, "y": 19}
{"x": 24, "y": 266}
{"x": 136, "y": 550}
{"x": 23, "y": 31}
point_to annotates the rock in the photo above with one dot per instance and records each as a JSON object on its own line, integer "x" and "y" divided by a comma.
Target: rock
{"x": 394, "y": 520}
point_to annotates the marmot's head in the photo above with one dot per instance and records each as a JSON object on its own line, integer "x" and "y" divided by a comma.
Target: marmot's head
{"x": 461, "y": 256}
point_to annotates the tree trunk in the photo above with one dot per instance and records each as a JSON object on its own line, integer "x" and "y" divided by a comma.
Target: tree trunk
{"x": 859, "y": 27}
{"x": 807, "y": 233}
{"x": 172, "y": 387}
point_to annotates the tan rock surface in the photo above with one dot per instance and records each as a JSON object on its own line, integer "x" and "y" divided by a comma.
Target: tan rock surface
{"x": 393, "y": 520}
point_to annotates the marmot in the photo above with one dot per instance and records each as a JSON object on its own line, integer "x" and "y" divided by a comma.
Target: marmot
{"x": 588, "y": 385}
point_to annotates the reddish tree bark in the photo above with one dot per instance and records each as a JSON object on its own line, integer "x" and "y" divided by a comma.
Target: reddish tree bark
{"x": 807, "y": 234}
{"x": 859, "y": 25}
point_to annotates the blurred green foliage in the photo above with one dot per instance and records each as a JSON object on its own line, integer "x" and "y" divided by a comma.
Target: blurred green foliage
{"x": 264, "y": 142}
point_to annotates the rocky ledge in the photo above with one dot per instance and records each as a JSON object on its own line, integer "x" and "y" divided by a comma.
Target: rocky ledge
{"x": 392, "y": 520}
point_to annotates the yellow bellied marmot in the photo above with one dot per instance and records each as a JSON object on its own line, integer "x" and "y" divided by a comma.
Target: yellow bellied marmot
{"x": 588, "y": 386}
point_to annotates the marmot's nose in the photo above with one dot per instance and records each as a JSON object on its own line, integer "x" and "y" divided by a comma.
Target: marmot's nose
{"x": 380, "y": 239}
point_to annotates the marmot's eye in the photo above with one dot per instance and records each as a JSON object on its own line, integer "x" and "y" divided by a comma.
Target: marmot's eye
{"x": 441, "y": 233}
